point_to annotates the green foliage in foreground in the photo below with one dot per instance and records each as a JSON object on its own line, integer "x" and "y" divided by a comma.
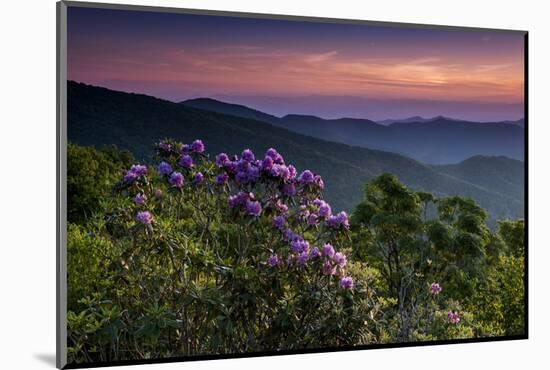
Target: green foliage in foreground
{"x": 196, "y": 280}
{"x": 482, "y": 272}
{"x": 90, "y": 175}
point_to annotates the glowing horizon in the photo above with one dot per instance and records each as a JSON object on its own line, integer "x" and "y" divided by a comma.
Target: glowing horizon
{"x": 181, "y": 56}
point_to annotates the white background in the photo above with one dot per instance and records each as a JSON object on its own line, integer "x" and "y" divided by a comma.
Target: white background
{"x": 27, "y": 182}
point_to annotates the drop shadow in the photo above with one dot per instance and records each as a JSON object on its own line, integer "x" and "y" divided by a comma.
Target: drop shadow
{"x": 46, "y": 358}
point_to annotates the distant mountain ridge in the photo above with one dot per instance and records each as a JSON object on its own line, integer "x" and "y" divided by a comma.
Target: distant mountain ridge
{"x": 229, "y": 108}
{"x": 497, "y": 174}
{"x": 438, "y": 140}
{"x": 417, "y": 119}
{"x": 99, "y": 116}
{"x": 413, "y": 119}
{"x": 520, "y": 122}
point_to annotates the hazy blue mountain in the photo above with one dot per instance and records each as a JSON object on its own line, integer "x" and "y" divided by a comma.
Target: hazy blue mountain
{"x": 497, "y": 174}
{"x": 388, "y": 122}
{"x": 437, "y": 140}
{"x": 443, "y": 141}
{"x": 519, "y": 122}
{"x": 99, "y": 116}
{"x": 416, "y": 119}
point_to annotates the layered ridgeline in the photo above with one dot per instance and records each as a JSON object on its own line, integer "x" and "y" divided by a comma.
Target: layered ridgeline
{"x": 99, "y": 116}
{"x": 437, "y": 140}
{"x": 387, "y": 122}
{"x": 500, "y": 175}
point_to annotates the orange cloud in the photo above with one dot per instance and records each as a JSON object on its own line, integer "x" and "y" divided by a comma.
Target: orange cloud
{"x": 253, "y": 69}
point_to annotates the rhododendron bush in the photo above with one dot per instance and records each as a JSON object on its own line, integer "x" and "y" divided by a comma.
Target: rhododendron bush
{"x": 194, "y": 255}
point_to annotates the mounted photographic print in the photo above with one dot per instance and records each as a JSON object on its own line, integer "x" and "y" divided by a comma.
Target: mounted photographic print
{"x": 234, "y": 184}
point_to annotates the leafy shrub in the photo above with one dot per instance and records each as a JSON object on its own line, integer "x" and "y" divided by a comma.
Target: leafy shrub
{"x": 197, "y": 256}
{"x": 237, "y": 255}
{"x": 90, "y": 174}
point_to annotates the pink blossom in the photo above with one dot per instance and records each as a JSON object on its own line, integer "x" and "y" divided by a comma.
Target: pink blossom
{"x": 453, "y": 317}
{"x": 328, "y": 268}
{"x": 435, "y": 289}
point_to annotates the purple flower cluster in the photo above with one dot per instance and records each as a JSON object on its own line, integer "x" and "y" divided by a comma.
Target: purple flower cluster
{"x": 280, "y": 170}
{"x": 222, "y": 179}
{"x": 301, "y": 252}
{"x": 453, "y": 317}
{"x": 329, "y": 268}
{"x": 289, "y": 190}
{"x": 276, "y": 186}
{"x": 346, "y": 282}
{"x": 328, "y": 250}
{"x": 247, "y": 173}
{"x": 435, "y": 289}
{"x": 273, "y": 261}
{"x": 302, "y": 258}
{"x": 289, "y": 235}
{"x": 185, "y": 149}
{"x": 307, "y": 177}
{"x": 164, "y": 149}
{"x": 247, "y": 170}
{"x": 324, "y": 209}
{"x": 340, "y": 259}
{"x": 176, "y": 180}
{"x": 253, "y": 208}
{"x": 246, "y": 202}
{"x": 312, "y": 219}
{"x": 299, "y": 245}
{"x": 164, "y": 168}
{"x": 279, "y": 207}
{"x": 338, "y": 221}
{"x": 239, "y": 200}
{"x": 319, "y": 182}
{"x": 333, "y": 260}
{"x": 313, "y": 213}
{"x": 315, "y": 253}
{"x": 198, "y": 179}
{"x": 186, "y": 161}
{"x": 144, "y": 217}
{"x": 134, "y": 173}
{"x": 140, "y": 199}
{"x": 222, "y": 159}
{"x": 247, "y": 155}
{"x": 275, "y": 156}
{"x": 267, "y": 164}
{"x": 279, "y": 222}
{"x": 197, "y": 146}
{"x": 165, "y": 146}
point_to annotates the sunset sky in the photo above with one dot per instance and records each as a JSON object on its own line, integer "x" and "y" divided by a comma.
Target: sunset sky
{"x": 331, "y": 70}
